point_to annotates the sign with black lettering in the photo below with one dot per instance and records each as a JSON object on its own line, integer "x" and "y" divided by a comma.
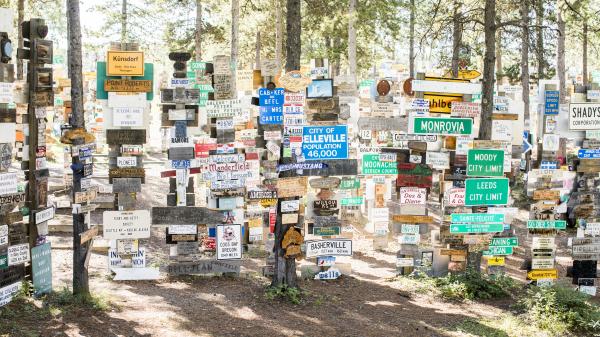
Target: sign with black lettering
{"x": 130, "y": 137}
{"x": 229, "y": 242}
{"x": 185, "y": 215}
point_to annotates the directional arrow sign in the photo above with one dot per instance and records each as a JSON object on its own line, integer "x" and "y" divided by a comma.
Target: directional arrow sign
{"x": 526, "y": 144}
{"x": 500, "y": 250}
{"x": 476, "y": 228}
{"x": 538, "y": 274}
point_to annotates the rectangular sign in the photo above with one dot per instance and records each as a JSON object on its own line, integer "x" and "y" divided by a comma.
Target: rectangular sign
{"x": 124, "y": 85}
{"x": 129, "y": 137}
{"x": 8, "y": 183}
{"x": 124, "y": 63}
{"x": 325, "y": 142}
{"x": 511, "y": 242}
{"x": 413, "y": 195}
{"x": 332, "y": 247}
{"x": 371, "y": 164}
{"x": 485, "y": 163}
{"x": 551, "y": 100}
{"x": 584, "y": 116}
{"x": 476, "y": 228}
{"x": 18, "y": 254}
{"x": 442, "y": 103}
{"x": 185, "y": 215}
{"x": 44, "y": 215}
{"x": 442, "y": 126}
{"x": 126, "y": 224}
{"x": 127, "y": 161}
{"x": 447, "y": 87}
{"x": 547, "y": 224}
{"x": 486, "y": 191}
{"x": 41, "y": 269}
{"x": 229, "y": 242}
{"x": 476, "y": 218}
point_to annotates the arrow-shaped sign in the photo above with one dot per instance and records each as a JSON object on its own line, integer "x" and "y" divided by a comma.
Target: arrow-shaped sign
{"x": 526, "y": 144}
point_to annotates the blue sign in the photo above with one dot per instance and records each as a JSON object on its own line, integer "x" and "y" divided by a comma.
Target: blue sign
{"x": 551, "y": 102}
{"x": 180, "y": 164}
{"x": 325, "y": 142}
{"x": 589, "y": 153}
{"x": 268, "y": 97}
{"x": 271, "y": 115}
{"x": 548, "y": 165}
{"x": 526, "y": 144}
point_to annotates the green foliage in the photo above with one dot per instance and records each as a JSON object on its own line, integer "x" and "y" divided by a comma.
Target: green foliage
{"x": 471, "y": 285}
{"x": 65, "y": 300}
{"x": 292, "y": 295}
{"x": 561, "y": 310}
{"x": 519, "y": 192}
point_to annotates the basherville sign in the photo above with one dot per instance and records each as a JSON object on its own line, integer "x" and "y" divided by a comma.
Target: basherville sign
{"x": 332, "y": 247}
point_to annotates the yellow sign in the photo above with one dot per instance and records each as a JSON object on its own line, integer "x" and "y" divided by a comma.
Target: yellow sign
{"x": 124, "y": 63}
{"x": 465, "y": 74}
{"x": 268, "y": 202}
{"x": 538, "y": 274}
{"x": 495, "y": 261}
{"x": 441, "y": 103}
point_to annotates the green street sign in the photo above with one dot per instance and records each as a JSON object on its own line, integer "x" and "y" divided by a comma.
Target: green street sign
{"x": 547, "y": 224}
{"x": 41, "y": 269}
{"x": 443, "y": 126}
{"x": 349, "y": 184}
{"x": 3, "y": 261}
{"x": 486, "y": 191}
{"x": 511, "y": 242}
{"x": 485, "y": 163}
{"x": 190, "y": 74}
{"x": 195, "y": 65}
{"x": 476, "y": 228}
{"x": 101, "y": 77}
{"x": 372, "y": 165}
{"x": 58, "y": 59}
{"x": 353, "y": 201}
{"x": 498, "y": 250}
{"x": 476, "y": 218}
{"x": 326, "y": 231}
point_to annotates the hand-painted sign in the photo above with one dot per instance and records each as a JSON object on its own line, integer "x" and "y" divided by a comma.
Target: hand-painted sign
{"x": 18, "y": 254}
{"x": 442, "y": 126}
{"x": 325, "y": 142}
{"x": 41, "y": 269}
{"x": 229, "y": 242}
{"x": 413, "y": 195}
{"x": 333, "y": 247}
{"x": 486, "y": 191}
{"x": 485, "y": 163}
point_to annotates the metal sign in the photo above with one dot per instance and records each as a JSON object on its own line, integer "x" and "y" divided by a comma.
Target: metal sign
{"x": 442, "y": 126}
{"x": 229, "y": 242}
{"x": 546, "y": 224}
{"x": 485, "y": 163}
{"x": 123, "y": 85}
{"x": 124, "y": 63}
{"x": 476, "y": 228}
{"x": 486, "y": 191}
{"x": 551, "y": 100}
{"x": 584, "y": 116}
{"x": 325, "y": 142}
{"x": 476, "y": 218}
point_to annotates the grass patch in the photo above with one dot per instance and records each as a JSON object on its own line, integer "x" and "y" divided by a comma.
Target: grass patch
{"x": 503, "y": 326}
{"x": 64, "y": 299}
{"x": 292, "y": 295}
{"x": 561, "y": 310}
{"x": 472, "y": 285}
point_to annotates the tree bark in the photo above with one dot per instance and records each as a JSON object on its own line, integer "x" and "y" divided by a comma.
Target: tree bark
{"x": 235, "y": 23}
{"x": 20, "y": 18}
{"x": 411, "y": 39}
{"x": 560, "y": 54}
{"x": 352, "y": 38}
{"x": 293, "y": 47}
{"x": 258, "y": 47}
{"x": 487, "y": 101}
{"x": 80, "y": 273}
{"x": 525, "y": 59}
{"x": 499, "y": 71}
{"x": 198, "y": 33}
{"x": 539, "y": 21}
{"x": 278, "y": 33}
{"x": 585, "y": 51}
{"x": 456, "y": 37}
{"x": 124, "y": 21}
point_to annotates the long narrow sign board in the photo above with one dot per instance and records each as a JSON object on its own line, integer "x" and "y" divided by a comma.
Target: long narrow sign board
{"x": 476, "y": 228}
{"x": 185, "y": 215}
{"x": 129, "y": 137}
{"x": 442, "y": 126}
{"x": 446, "y": 87}
{"x": 123, "y": 85}
{"x": 546, "y": 224}
{"x": 476, "y": 218}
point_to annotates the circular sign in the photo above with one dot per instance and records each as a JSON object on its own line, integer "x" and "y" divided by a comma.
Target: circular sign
{"x": 383, "y": 88}
{"x": 5, "y": 156}
{"x": 407, "y": 87}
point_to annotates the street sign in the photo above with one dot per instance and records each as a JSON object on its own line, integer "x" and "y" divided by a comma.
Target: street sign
{"x": 589, "y": 154}
{"x": 124, "y": 63}
{"x": 443, "y": 126}
{"x": 371, "y": 164}
{"x": 485, "y": 163}
{"x": 486, "y": 191}
{"x": 512, "y": 242}
{"x": 546, "y": 224}
{"x": 476, "y": 218}
{"x": 325, "y": 142}
{"x": 551, "y": 102}
{"x": 476, "y": 228}
{"x": 498, "y": 250}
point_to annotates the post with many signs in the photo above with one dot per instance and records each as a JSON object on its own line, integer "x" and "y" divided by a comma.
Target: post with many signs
{"x": 39, "y": 52}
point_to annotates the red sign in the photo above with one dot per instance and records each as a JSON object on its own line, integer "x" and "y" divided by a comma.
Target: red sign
{"x": 272, "y": 220}
{"x": 414, "y": 175}
{"x": 202, "y": 149}
{"x": 172, "y": 173}
{"x": 252, "y": 156}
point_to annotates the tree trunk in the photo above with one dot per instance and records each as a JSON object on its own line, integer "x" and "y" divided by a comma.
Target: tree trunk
{"x": 499, "y": 71}
{"x": 293, "y": 47}
{"x": 235, "y": 23}
{"x": 539, "y": 21}
{"x": 335, "y": 68}
{"x": 560, "y": 54}
{"x": 584, "y": 52}
{"x": 20, "y": 18}
{"x": 456, "y": 37}
{"x": 198, "y": 33}
{"x": 352, "y": 39}
{"x": 411, "y": 39}
{"x": 525, "y": 59}
{"x": 80, "y": 273}
{"x": 257, "y": 57}
{"x": 278, "y": 33}
{"x": 124, "y": 21}
{"x": 487, "y": 101}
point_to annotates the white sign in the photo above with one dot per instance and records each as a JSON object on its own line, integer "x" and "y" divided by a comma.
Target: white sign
{"x": 551, "y": 142}
{"x": 183, "y": 229}
{"x": 590, "y": 290}
{"x": 18, "y": 254}
{"x": 272, "y": 135}
{"x": 404, "y": 262}
{"x": 542, "y": 243}
{"x": 438, "y": 160}
{"x": 465, "y": 109}
{"x": 136, "y": 274}
{"x": 8, "y": 132}
{"x": 126, "y": 161}
{"x": 126, "y": 100}
{"x": 229, "y": 242}
{"x": 593, "y": 94}
{"x": 126, "y": 224}
{"x": 44, "y": 215}
{"x": 290, "y": 205}
{"x": 456, "y": 197}
{"x": 268, "y": 67}
{"x": 592, "y": 228}
{"x": 543, "y": 263}
{"x": 8, "y": 183}
{"x": 413, "y": 195}
{"x": 129, "y": 116}
{"x": 7, "y": 293}
{"x": 331, "y": 247}
{"x": 502, "y": 130}
{"x": 409, "y": 239}
{"x": 6, "y": 92}
{"x": 224, "y": 124}
{"x": 3, "y": 235}
{"x": 447, "y": 87}
{"x": 138, "y": 259}
{"x": 223, "y": 108}
{"x": 584, "y": 116}
{"x": 379, "y": 214}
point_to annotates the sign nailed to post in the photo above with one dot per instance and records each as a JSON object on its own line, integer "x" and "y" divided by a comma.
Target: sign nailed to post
{"x": 125, "y": 63}
{"x": 126, "y": 224}
{"x": 443, "y": 126}
{"x": 485, "y": 163}
{"x": 325, "y": 142}
{"x": 340, "y": 247}
{"x": 485, "y": 192}
{"x": 229, "y": 242}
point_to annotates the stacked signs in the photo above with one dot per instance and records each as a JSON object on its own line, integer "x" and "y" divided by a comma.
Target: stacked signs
{"x": 14, "y": 244}
{"x": 125, "y": 226}
{"x": 586, "y": 246}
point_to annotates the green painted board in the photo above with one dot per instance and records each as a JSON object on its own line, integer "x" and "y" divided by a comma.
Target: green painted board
{"x": 101, "y": 77}
{"x": 349, "y": 184}
{"x": 443, "y": 126}
{"x": 372, "y": 165}
{"x": 326, "y": 231}
{"x": 512, "y": 242}
{"x": 476, "y": 218}
{"x": 476, "y": 228}
{"x": 353, "y": 201}
{"x": 41, "y": 269}
{"x": 498, "y": 250}
{"x": 196, "y": 65}
{"x": 3, "y": 261}
{"x": 486, "y": 191}
{"x": 485, "y": 163}
{"x": 547, "y": 224}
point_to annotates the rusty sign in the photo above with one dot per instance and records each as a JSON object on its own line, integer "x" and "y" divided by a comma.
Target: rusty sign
{"x": 126, "y": 172}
